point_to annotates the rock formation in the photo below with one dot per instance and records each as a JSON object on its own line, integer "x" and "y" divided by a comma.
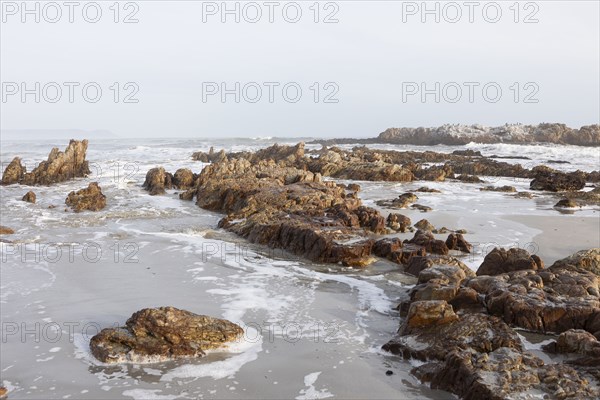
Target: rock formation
{"x": 90, "y": 198}
{"x": 162, "y": 334}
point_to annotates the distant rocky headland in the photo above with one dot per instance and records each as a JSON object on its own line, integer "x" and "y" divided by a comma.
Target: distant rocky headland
{"x": 456, "y": 135}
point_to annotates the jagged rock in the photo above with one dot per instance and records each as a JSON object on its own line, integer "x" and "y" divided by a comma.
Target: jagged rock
{"x": 500, "y": 261}
{"x": 468, "y": 153}
{"x": 431, "y": 244}
{"x": 161, "y": 334}
{"x": 157, "y": 180}
{"x": 509, "y": 133}
{"x": 398, "y": 222}
{"x": 428, "y": 313}
{"x": 29, "y": 197}
{"x": 554, "y": 181}
{"x": 384, "y": 247}
{"x": 576, "y": 341}
{"x": 289, "y": 208}
{"x": 588, "y": 260}
{"x": 424, "y": 225}
{"x": 90, "y": 198}
{"x": 14, "y": 172}
{"x": 419, "y": 263}
{"x": 456, "y": 241}
{"x": 188, "y": 194}
{"x": 407, "y": 252}
{"x": 5, "y": 230}
{"x": 60, "y": 166}
{"x": 509, "y": 189}
{"x": 183, "y": 179}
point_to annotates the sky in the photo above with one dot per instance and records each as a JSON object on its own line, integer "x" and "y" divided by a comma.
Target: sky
{"x": 310, "y": 69}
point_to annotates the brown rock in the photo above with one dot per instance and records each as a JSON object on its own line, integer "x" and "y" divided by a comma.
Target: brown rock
{"x": 156, "y": 181}
{"x": 384, "y": 247}
{"x": 160, "y": 334}
{"x": 29, "y": 197}
{"x": 567, "y": 203}
{"x": 407, "y": 253}
{"x": 500, "y": 261}
{"x": 90, "y": 198}
{"x": 183, "y": 179}
{"x": 554, "y": 181}
{"x": 5, "y": 230}
{"x": 428, "y": 313}
{"x": 431, "y": 244}
{"x": 60, "y": 166}
{"x": 424, "y": 225}
{"x": 510, "y": 189}
{"x": 14, "y": 172}
{"x": 575, "y": 341}
{"x": 456, "y": 241}
{"x": 398, "y": 222}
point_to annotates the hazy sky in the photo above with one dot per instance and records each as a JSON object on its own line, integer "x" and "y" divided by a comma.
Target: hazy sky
{"x": 376, "y": 60}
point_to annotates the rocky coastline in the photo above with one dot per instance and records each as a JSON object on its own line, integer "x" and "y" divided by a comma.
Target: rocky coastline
{"x": 462, "y": 326}
{"x": 456, "y": 135}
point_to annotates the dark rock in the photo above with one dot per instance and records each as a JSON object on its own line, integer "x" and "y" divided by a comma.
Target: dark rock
{"x": 355, "y": 187}
{"x": 161, "y": 334}
{"x": 421, "y": 207}
{"x": 90, "y": 198}
{"x": 398, "y": 222}
{"x": 554, "y": 181}
{"x": 425, "y": 189}
{"x": 509, "y": 189}
{"x": 567, "y": 203}
{"x": 407, "y": 253}
{"x": 431, "y": 244}
{"x": 384, "y": 247}
{"x": 500, "y": 261}
{"x": 468, "y": 178}
{"x": 576, "y": 341}
{"x": 456, "y": 241}
{"x": 29, "y": 197}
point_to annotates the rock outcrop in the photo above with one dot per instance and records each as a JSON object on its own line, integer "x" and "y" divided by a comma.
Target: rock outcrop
{"x": 59, "y": 167}
{"x": 157, "y": 180}
{"x": 162, "y": 334}
{"x": 14, "y": 172}
{"x": 90, "y": 198}
{"x": 5, "y": 230}
{"x": 554, "y": 181}
{"x": 458, "y": 324}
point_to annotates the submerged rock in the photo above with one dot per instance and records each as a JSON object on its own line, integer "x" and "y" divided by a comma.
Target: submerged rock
{"x": 5, "y": 230}
{"x": 567, "y": 203}
{"x": 509, "y": 189}
{"x": 162, "y": 334}
{"x": 29, "y": 197}
{"x": 90, "y": 198}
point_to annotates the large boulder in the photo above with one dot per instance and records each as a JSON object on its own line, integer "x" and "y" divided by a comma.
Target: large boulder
{"x": 500, "y": 261}
{"x": 162, "y": 334}
{"x": 588, "y": 260}
{"x": 14, "y": 172}
{"x": 157, "y": 180}
{"x": 183, "y": 179}
{"x": 90, "y": 198}
{"x": 398, "y": 222}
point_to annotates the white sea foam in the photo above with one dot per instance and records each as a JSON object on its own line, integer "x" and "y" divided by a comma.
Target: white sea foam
{"x": 310, "y": 392}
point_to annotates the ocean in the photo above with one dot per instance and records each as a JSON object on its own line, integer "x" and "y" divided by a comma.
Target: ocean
{"x": 309, "y": 328}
